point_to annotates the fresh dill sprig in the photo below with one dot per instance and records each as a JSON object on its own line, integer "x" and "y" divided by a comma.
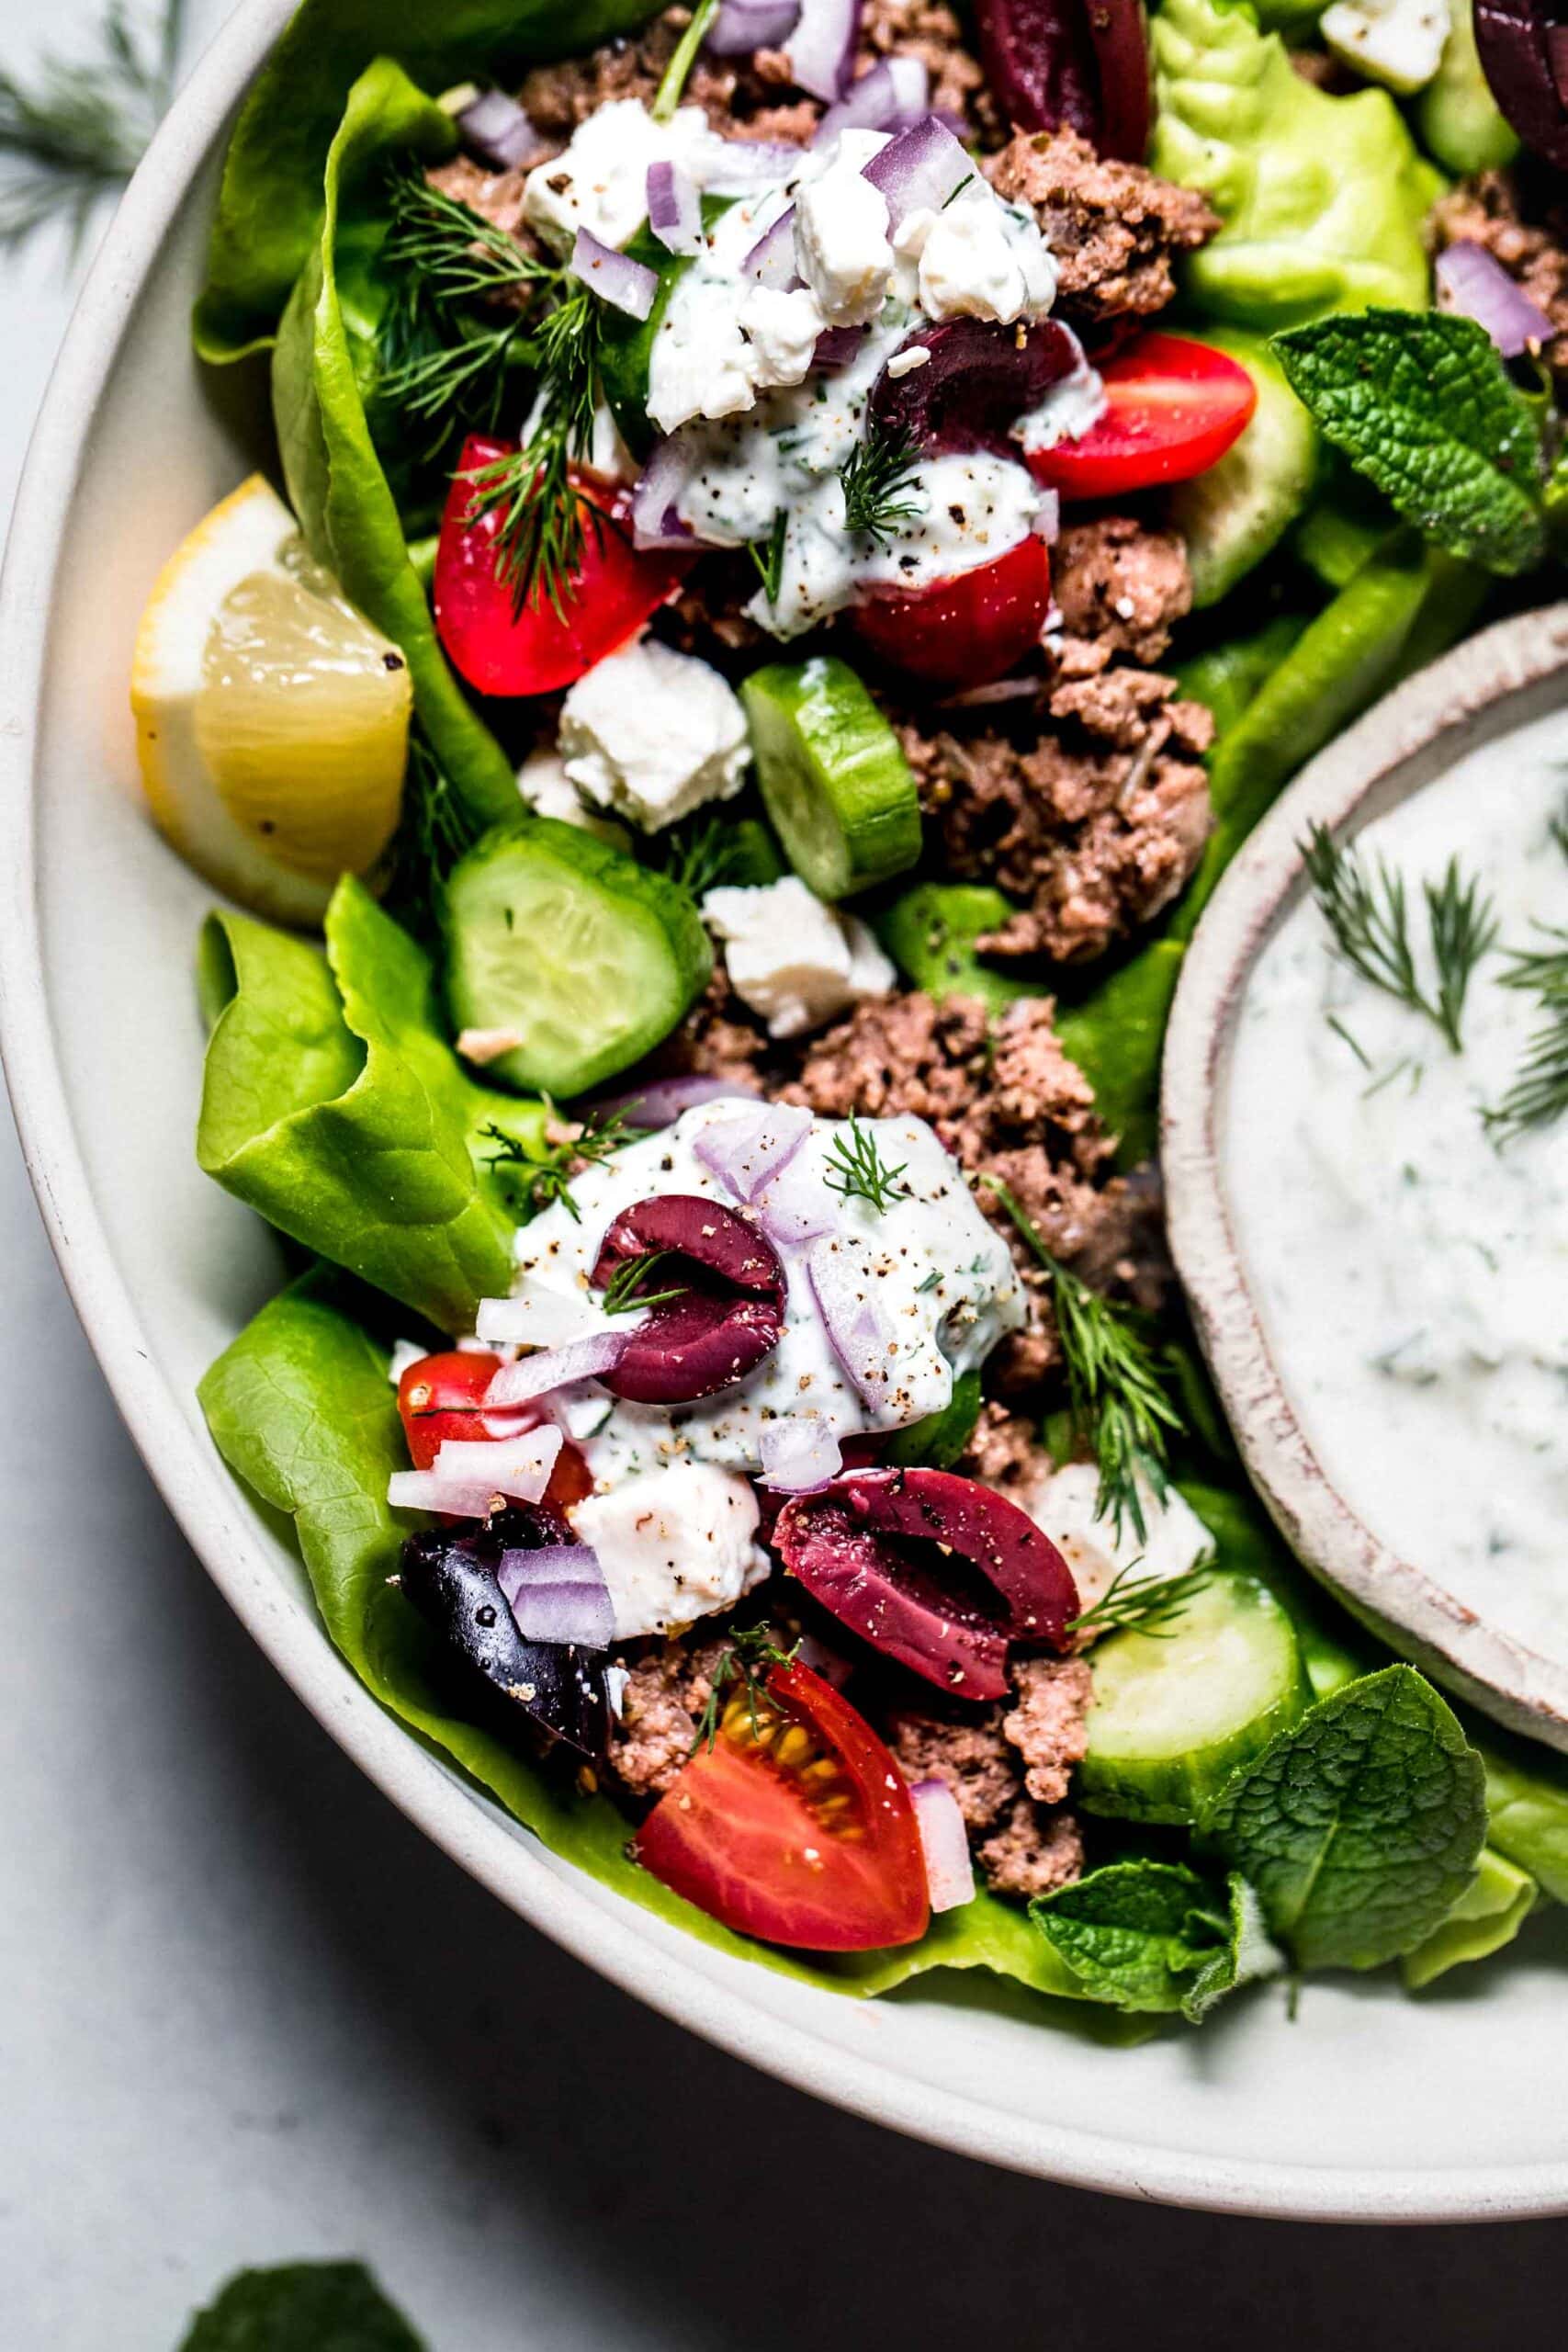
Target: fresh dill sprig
{"x": 446, "y": 340}
{"x": 623, "y": 1292}
{"x": 1368, "y": 912}
{"x": 435, "y": 830}
{"x": 539, "y": 544}
{"x": 1115, "y": 1388}
{"x": 752, "y": 1652}
{"x": 857, "y": 1171}
{"x": 768, "y": 556}
{"x": 1540, "y": 1092}
{"x": 878, "y": 482}
{"x": 544, "y": 1178}
{"x": 677, "y": 72}
{"x": 702, "y": 856}
{"x": 78, "y": 130}
{"x": 1147, "y": 1604}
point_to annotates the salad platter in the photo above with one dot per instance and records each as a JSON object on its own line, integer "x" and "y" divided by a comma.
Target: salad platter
{"x": 719, "y": 597}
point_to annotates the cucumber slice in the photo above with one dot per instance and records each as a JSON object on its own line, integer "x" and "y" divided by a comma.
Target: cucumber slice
{"x": 930, "y": 932}
{"x": 1233, "y": 515}
{"x": 588, "y": 956}
{"x": 1174, "y": 1714}
{"x": 834, "y": 778}
{"x": 625, "y": 344}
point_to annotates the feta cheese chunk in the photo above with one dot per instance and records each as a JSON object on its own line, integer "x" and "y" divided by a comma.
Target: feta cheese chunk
{"x": 673, "y": 1544}
{"x": 544, "y": 785}
{"x": 1064, "y": 1509}
{"x": 795, "y": 960}
{"x": 1397, "y": 43}
{"x": 842, "y": 248}
{"x": 600, "y": 182}
{"x": 781, "y": 330}
{"x": 973, "y": 266}
{"x": 653, "y": 733}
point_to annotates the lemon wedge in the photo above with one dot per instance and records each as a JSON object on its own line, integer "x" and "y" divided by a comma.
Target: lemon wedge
{"x": 272, "y": 720}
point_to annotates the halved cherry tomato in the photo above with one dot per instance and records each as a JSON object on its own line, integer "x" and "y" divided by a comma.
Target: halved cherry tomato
{"x": 503, "y": 652}
{"x": 442, "y": 1397}
{"x": 800, "y": 1831}
{"x": 969, "y": 629}
{"x": 1173, "y": 409}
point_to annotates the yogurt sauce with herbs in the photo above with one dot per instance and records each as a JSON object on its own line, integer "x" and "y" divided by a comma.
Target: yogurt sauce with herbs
{"x": 1412, "y": 1267}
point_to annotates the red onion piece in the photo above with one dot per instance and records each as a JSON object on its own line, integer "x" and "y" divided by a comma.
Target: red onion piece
{"x": 1047, "y": 522}
{"x": 656, "y": 518}
{"x": 800, "y": 1454}
{"x": 846, "y": 1295}
{"x": 822, "y": 47}
{"x": 496, "y": 130}
{"x": 895, "y": 93}
{"x": 980, "y": 378}
{"x": 518, "y": 1467}
{"x": 918, "y": 170}
{"x": 731, "y": 1311}
{"x": 746, "y": 1150}
{"x": 423, "y": 1490}
{"x": 661, "y": 1100}
{"x": 1475, "y": 283}
{"x": 796, "y": 1207}
{"x": 536, "y": 1316}
{"x": 950, "y": 1873}
{"x": 625, "y": 283}
{"x": 748, "y": 165}
{"x": 674, "y": 208}
{"x": 838, "y": 346}
{"x": 772, "y": 259}
{"x": 588, "y": 1359}
{"x": 1521, "y": 62}
{"x": 743, "y": 25}
{"x": 1082, "y": 62}
{"x": 556, "y": 1593}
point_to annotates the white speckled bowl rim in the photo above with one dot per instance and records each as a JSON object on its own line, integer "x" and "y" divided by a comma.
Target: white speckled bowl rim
{"x": 1510, "y": 674}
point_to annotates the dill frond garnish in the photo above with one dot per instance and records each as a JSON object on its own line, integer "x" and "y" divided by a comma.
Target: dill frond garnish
{"x": 1540, "y": 1092}
{"x": 1368, "y": 912}
{"x": 878, "y": 481}
{"x": 539, "y": 544}
{"x": 769, "y": 558}
{"x": 1147, "y": 1604}
{"x": 753, "y": 1651}
{"x": 857, "y": 1171}
{"x": 76, "y": 133}
{"x": 445, "y": 342}
{"x": 624, "y": 1292}
{"x": 543, "y": 1178}
{"x": 1114, "y": 1384}
{"x": 702, "y": 856}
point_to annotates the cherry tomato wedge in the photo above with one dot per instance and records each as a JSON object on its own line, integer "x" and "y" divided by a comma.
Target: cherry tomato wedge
{"x": 969, "y": 629}
{"x": 800, "y": 1830}
{"x": 442, "y": 1397}
{"x": 501, "y": 651}
{"x": 1173, "y": 409}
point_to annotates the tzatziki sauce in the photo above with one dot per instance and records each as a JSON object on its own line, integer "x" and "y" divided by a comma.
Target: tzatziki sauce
{"x": 1410, "y": 1261}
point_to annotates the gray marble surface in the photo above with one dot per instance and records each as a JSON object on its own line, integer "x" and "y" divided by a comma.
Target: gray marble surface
{"x": 249, "y": 2015}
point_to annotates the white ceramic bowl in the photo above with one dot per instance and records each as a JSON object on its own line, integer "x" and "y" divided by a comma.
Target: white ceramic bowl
{"x": 1370, "y": 2107}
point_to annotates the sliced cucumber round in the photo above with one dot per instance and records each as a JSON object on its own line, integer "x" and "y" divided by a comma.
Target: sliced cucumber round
{"x": 1232, "y": 517}
{"x": 837, "y": 786}
{"x": 1174, "y": 1714}
{"x": 930, "y": 932}
{"x": 591, "y": 958}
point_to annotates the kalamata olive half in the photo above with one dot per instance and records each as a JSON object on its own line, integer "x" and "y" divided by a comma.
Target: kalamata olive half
{"x": 729, "y": 1308}
{"x": 1523, "y": 48}
{"x": 1084, "y": 63}
{"x": 980, "y": 378}
{"x": 935, "y": 1570}
{"x": 452, "y": 1580}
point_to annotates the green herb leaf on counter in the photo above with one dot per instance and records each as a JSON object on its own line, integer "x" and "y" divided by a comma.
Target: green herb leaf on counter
{"x": 76, "y": 133}
{"x": 857, "y": 1171}
{"x": 1361, "y": 1825}
{"x": 302, "y": 2307}
{"x": 1539, "y": 1094}
{"x": 1422, "y": 404}
{"x": 1368, "y": 912}
{"x": 1154, "y": 1937}
{"x": 878, "y": 479}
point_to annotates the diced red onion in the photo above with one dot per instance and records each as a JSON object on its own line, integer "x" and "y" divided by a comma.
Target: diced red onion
{"x": 1000, "y": 690}
{"x": 663, "y": 1100}
{"x": 625, "y": 283}
{"x": 846, "y": 1298}
{"x": 950, "y": 1873}
{"x": 746, "y": 1150}
{"x": 796, "y": 1207}
{"x": 556, "y": 1593}
{"x": 895, "y": 94}
{"x": 772, "y": 259}
{"x": 674, "y": 208}
{"x": 743, "y": 25}
{"x": 538, "y": 1317}
{"x": 1047, "y": 522}
{"x": 800, "y": 1454}
{"x": 1475, "y": 283}
{"x": 496, "y": 129}
{"x": 536, "y": 1375}
{"x": 518, "y": 1467}
{"x": 656, "y": 518}
{"x": 423, "y": 1490}
{"x": 822, "y": 47}
{"x": 748, "y": 165}
{"x": 919, "y": 170}
{"x": 837, "y": 346}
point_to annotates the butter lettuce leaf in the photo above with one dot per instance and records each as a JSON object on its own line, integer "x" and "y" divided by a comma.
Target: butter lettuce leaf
{"x": 1154, "y": 1937}
{"x": 1488, "y": 1914}
{"x": 333, "y": 1105}
{"x": 301, "y": 1409}
{"x": 1323, "y": 199}
{"x": 302, "y": 2307}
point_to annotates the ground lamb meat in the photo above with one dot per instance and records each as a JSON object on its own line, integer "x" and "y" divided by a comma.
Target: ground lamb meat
{"x": 1487, "y": 210}
{"x": 1114, "y": 228}
{"x": 1049, "y": 1726}
{"x": 934, "y": 33}
{"x": 970, "y": 1755}
{"x": 1005, "y": 1452}
{"x": 496, "y": 196}
{"x": 1032, "y": 1853}
{"x": 717, "y": 1038}
{"x": 743, "y": 97}
{"x": 662, "y": 1707}
{"x": 1120, "y": 589}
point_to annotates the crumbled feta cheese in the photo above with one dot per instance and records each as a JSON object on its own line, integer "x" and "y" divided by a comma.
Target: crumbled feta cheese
{"x": 1065, "y": 1508}
{"x": 545, "y": 786}
{"x": 841, "y": 245}
{"x": 1397, "y": 43}
{"x": 975, "y": 265}
{"x": 653, "y": 733}
{"x": 782, "y": 331}
{"x": 795, "y": 960}
{"x": 673, "y": 1544}
{"x": 904, "y": 363}
{"x": 600, "y": 182}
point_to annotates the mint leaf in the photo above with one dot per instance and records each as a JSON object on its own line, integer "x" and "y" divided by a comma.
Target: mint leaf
{"x": 1421, "y": 403}
{"x": 1360, "y": 1825}
{"x": 302, "y": 2307}
{"x": 1155, "y": 1936}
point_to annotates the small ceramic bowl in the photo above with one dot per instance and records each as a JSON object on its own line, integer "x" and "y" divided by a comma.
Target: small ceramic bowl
{"x": 1511, "y": 674}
